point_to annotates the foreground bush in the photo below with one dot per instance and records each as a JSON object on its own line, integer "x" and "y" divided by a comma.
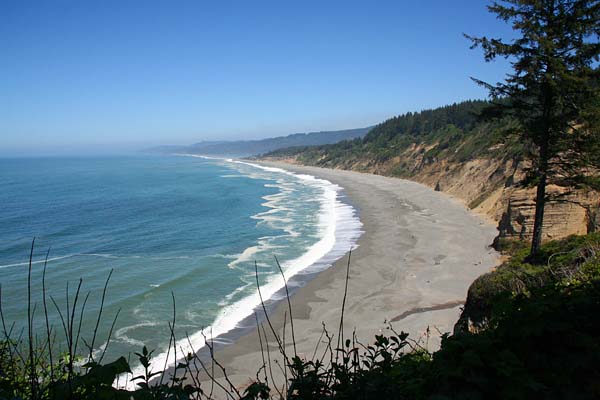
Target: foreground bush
{"x": 545, "y": 344}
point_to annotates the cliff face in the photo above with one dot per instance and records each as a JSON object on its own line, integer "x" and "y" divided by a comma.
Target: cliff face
{"x": 490, "y": 187}
{"x": 575, "y": 214}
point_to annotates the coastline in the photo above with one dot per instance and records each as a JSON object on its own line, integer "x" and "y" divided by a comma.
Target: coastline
{"x": 338, "y": 228}
{"x": 420, "y": 252}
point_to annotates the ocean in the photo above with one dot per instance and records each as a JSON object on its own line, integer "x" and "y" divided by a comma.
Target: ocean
{"x": 184, "y": 227}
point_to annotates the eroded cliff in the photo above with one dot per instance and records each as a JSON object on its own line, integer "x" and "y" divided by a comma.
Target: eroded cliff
{"x": 491, "y": 187}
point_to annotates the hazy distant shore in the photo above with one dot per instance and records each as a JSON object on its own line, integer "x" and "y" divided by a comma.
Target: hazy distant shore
{"x": 420, "y": 252}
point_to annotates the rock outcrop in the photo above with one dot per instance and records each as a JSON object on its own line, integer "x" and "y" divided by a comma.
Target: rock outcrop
{"x": 490, "y": 188}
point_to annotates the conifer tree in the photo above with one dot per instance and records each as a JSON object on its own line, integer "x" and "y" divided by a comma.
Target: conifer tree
{"x": 553, "y": 90}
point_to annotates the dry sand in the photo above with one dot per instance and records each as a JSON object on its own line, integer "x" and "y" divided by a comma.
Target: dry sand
{"x": 420, "y": 252}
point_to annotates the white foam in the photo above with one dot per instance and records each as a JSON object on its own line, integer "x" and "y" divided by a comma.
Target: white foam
{"x": 230, "y": 296}
{"x": 37, "y": 262}
{"x": 121, "y": 334}
{"x": 340, "y": 229}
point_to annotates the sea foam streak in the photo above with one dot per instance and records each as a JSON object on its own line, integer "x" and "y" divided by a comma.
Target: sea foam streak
{"x": 339, "y": 228}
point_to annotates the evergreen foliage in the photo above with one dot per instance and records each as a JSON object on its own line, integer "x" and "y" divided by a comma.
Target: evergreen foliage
{"x": 553, "y": 90}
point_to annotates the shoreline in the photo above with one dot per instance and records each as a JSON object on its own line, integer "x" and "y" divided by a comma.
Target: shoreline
{"x": 339, "y": 228}
{"x": 411, "y": 269}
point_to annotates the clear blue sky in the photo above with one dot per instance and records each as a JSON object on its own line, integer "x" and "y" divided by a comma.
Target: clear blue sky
{"x": 125, "y": 74}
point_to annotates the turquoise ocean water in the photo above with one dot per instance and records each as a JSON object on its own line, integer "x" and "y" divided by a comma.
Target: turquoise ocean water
{"x": 185, "y": 225}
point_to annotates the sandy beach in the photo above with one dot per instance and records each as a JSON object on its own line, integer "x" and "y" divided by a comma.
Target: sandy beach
{"x": 420, "y": 252}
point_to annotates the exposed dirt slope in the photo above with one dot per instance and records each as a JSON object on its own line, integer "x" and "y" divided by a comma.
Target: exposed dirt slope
{"x": 490, "y": 187}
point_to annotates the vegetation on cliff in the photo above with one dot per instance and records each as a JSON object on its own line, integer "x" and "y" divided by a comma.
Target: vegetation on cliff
{"x": 453, "y": 132}
{"x": 560, "y": 263}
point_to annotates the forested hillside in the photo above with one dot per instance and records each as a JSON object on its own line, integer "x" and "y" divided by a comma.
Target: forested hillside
{"x": 452, "y": 132}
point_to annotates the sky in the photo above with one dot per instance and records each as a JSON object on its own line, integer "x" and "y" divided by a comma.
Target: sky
{"x": 101, "y": 75}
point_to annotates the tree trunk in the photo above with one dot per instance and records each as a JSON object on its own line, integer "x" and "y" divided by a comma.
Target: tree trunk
{"x": 540, "y": 202}
{"x": 591, "y": 213}
{"x": 540, "y": 197}
{"x": 547, "y": 100}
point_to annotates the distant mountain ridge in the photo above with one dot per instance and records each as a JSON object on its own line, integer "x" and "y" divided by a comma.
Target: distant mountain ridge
{"x": 245, "y": 148}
